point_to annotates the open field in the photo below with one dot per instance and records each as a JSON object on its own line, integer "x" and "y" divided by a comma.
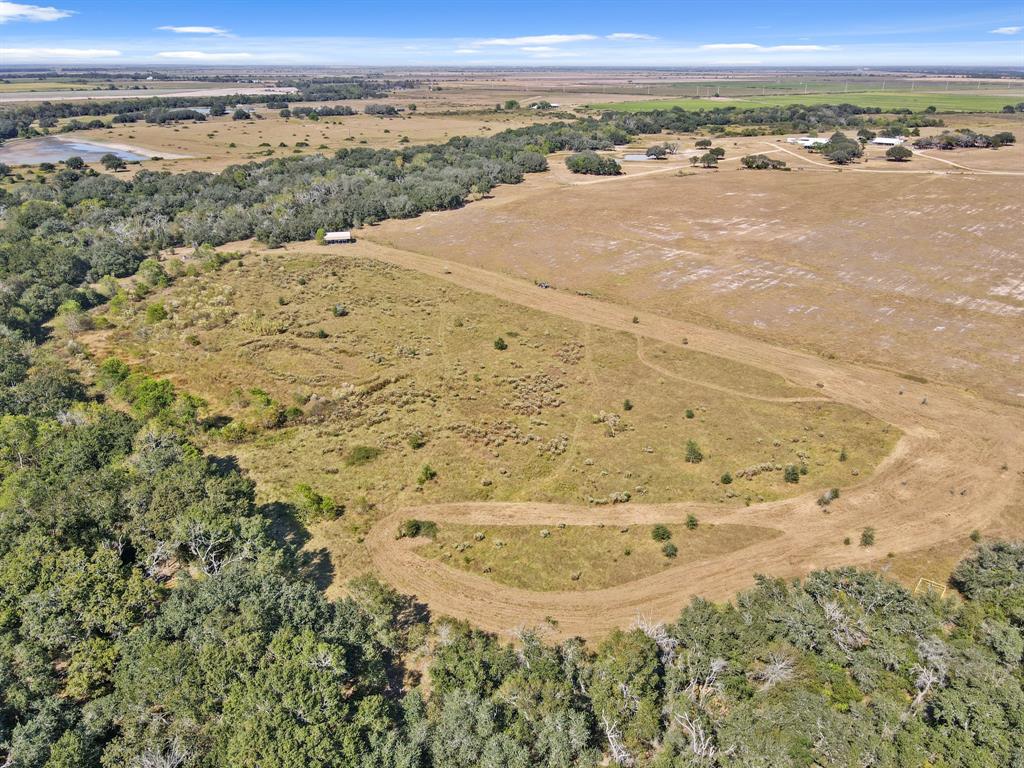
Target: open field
{"x": 576, "y": 557}
{"x": 543, "y": 420}
{"x": 787, "y": 257}
{"x": 885, "y": 100}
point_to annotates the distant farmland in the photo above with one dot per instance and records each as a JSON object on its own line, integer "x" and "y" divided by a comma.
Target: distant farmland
{"x": 916, "y": 100}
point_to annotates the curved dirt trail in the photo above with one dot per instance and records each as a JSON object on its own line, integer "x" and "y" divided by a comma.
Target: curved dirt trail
{"x": 718, "y": 387}
{"x": 944, "y": 478}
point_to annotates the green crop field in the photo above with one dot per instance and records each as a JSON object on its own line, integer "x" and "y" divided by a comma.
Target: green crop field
{"x": 916, "y": 100}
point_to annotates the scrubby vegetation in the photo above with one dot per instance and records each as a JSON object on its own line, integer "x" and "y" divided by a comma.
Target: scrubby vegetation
{"x": 763, "y": 163}
{"x": 964, "y": 138}
{"x": 592, "y": 163}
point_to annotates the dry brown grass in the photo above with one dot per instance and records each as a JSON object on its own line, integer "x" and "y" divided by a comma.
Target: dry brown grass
{"x": 576, "y": 557}
{"x": 914, "y": 271}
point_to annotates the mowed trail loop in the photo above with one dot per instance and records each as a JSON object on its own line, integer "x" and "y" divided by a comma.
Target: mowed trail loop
{"x": 958, "y": 467}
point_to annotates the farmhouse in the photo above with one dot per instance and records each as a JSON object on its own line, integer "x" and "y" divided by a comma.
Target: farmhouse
{"x": 333, "y": 238}
{"x": 888, "y": 141}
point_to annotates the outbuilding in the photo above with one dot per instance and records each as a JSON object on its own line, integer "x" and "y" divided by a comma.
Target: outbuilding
{"x": 807, "y": 141}
{"x": 333, "y": 238}
{"x": 888, "y": 141}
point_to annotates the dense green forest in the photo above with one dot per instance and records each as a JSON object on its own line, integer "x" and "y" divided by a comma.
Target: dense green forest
{"x": 148, "y": 618}
{"x": 153, "y": 615}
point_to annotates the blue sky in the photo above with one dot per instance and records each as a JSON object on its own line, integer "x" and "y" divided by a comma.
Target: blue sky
{"x": 514, "y": 32}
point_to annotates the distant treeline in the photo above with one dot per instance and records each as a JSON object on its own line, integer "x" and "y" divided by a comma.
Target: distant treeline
{"x": 16, "y": 120}
{"x": 795, "y": 118}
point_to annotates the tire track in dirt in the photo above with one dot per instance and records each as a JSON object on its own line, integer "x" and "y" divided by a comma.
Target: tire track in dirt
{"x": 944, "y": 478}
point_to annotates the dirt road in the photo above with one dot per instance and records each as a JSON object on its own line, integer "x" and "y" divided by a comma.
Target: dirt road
{"x": 958, "y": 467}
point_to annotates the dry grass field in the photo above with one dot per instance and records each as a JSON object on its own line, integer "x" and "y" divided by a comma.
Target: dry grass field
{"x": 576, "y": 557}
{"x": 917, "y": 263}
{"x": 414, "y": 360}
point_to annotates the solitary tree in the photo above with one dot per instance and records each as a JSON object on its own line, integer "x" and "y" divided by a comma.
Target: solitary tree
{"x": 112, "y": 162}
{"x": 657, "y": 151}
{"x": 899, "y": 153}
{"x": 709, "y": 161}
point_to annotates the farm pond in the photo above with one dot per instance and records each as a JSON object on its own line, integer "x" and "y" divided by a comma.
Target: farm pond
{"x": 53, "y": 149}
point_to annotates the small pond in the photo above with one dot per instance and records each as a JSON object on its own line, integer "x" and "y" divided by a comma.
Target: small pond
{"x": 636, "y": 158}
{"x": 53, "y": 149}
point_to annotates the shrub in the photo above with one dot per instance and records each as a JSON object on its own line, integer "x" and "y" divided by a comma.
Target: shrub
{"x": 312, "y": 506}
{"x": 791, "y": 474}
{"x": 693, "y": 452}
{"x": 500, "y": 344}
{"x": 427, "y": 474}
{"x": 691, "y": 522}
{"x": 726, "y": 479}
{"x": 410, "y": 529}
{"x": 590, "y": 162}
{"x": 689, "y": 413}
{"x": 339, "y": 310}
{"x": 627, "y": 405}
{"x": 867, "y": 537}
{"x": 661, "y": 533}
{"x": 111, "y": 373}
{"x": 417, "y": 441}
{"x": 828, "y": 497}
{"x": 155, "y": 313}
{"x": 762, "y": 163}
{"x": 147, "y": 396}
{"x": 670, "y": 550}
{"x": 361, "y": 454}
{"x": 842, "y": 454}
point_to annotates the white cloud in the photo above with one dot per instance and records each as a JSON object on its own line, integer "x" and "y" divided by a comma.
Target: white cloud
{"x": 205, "y": 55}
{"x": 729, "y": 46}
{"x": 556, "y": 54}
{"x": 629, "y": 36}
{"x": 21, "y": 12}
{"x": 1006, "y": 30}
{"x": 196, "y": 30}
{"x": 537, "y": 40}
{"x": 797, "y": 48}
{"x": 47, "y": 54}
{"x": 537, "y": 48}
{"x": 768, "y": 48}
{"x": 465, "y": 51}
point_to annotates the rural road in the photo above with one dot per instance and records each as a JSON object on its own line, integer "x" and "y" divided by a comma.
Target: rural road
{"x": 958, "y": 467}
